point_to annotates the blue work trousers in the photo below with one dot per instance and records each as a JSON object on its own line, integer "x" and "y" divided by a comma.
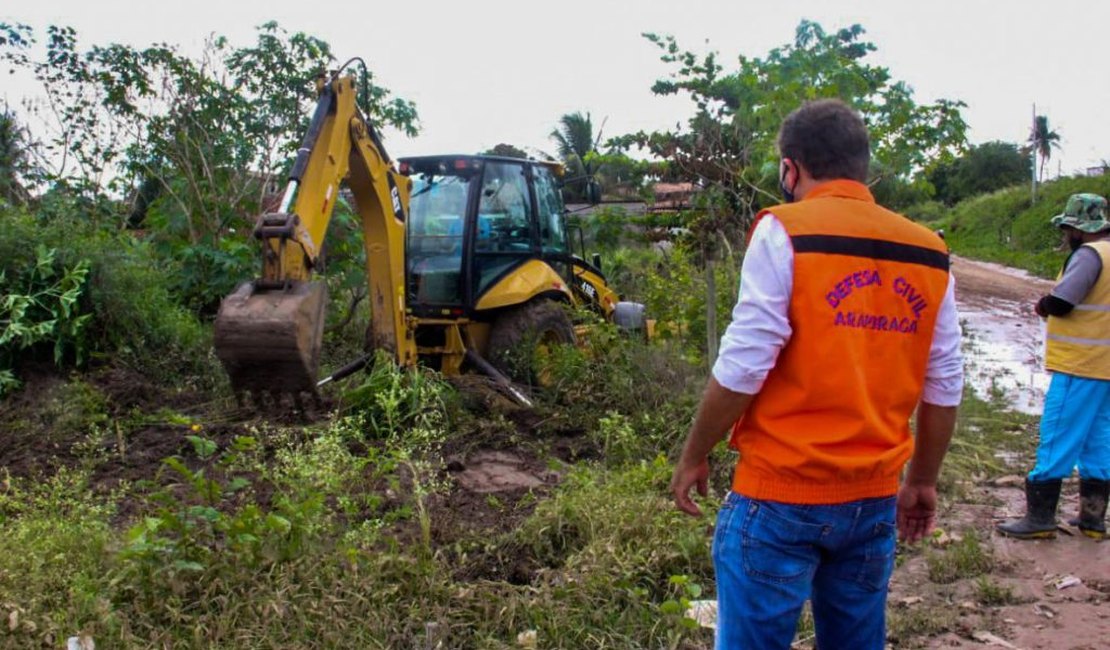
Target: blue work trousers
{"x": 1075, "y": 429}
{"x": 771, "y": 557}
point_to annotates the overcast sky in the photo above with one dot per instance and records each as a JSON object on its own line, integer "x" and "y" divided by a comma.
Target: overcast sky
{"x": 489, "y": 71}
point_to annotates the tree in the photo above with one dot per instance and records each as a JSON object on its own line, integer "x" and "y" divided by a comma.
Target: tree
{"x": 194, "y": 143}
{"x": 577, "y": 147}
{"x": 983, "y": 168}
{"x": 621, "y": 176}
{"x": 507, "y": 150}
{"x": 729, "y": 142}
{"x": 727, "y": 147}
{"x": 1043, "y": 140}
{"x": 15, "y": 163}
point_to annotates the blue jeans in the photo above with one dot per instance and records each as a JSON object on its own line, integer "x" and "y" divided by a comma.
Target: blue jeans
{"x": 1075, "y": 429}
{"x": 770, "y": 557}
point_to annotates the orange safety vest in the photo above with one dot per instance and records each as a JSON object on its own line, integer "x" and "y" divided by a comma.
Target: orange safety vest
{"x": 831, "y": 423}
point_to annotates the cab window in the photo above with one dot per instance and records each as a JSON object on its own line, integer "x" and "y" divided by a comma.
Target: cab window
{"x": 549, "y": 203}
{"x": 434, "y": 238}
{"x": 504, "y": 233}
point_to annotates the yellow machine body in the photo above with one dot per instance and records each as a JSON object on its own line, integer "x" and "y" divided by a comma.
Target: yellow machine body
{"x": 269, "y": 331}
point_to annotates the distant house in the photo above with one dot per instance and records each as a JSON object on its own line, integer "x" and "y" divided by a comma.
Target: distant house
{"x": 672, "y": 196}
{"x": 1097, "y": 171}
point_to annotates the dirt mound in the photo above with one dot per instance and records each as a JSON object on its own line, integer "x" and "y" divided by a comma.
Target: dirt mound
{"x": 498, "y": 471}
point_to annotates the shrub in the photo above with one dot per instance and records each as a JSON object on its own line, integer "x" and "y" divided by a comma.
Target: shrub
{"x": 635, "y": 399}
{"x": 40, "y": 305}
{"x": 405, "y": 405}
{"x": 126, "y": 293}
{"x": 926, "y": 212}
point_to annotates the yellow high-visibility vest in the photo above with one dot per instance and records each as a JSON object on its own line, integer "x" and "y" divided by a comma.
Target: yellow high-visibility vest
{"x": 1079, "y": 343}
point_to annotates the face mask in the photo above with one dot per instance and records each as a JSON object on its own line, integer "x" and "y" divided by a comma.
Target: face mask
{"x": 787, "y": 192}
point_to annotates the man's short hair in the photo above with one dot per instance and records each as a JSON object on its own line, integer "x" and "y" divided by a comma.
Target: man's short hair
{"x": 828, "y": 138}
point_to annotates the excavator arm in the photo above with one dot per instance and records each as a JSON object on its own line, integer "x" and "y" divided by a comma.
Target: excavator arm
{"x": 269, "y": 331}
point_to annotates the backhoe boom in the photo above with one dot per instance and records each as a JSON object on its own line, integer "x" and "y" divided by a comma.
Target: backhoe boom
{"x": 269, "y": 331}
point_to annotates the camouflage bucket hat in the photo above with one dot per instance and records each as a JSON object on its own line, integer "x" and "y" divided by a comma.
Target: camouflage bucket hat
{"x": 1086, "y": 212}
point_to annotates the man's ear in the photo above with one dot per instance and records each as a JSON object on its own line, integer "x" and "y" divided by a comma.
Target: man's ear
{"x": 800, "y": 171}
{"x": 788, "y": 172}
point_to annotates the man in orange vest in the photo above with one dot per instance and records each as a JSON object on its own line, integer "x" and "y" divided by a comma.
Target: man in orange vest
{"x": 1075, "y": 425}
{"x": 845, "y": 324}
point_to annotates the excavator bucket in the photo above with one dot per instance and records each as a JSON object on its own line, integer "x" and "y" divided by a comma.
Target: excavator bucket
{"x": 269, "y": 340}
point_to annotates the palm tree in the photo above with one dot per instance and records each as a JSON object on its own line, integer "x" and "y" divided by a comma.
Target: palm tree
{"x": 574, "y": 137}
{"x": 575, "y": 140}
{"x": 1043, "y": 141}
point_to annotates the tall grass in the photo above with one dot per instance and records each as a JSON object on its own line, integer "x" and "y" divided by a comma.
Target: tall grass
{"x": 134, "y": 316}
{"x": 1009, "y": 228}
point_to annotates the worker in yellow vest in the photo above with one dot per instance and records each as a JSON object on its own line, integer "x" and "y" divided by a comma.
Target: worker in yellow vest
{"x": 845, "y": 324}
{"x": 1075, "y": 426}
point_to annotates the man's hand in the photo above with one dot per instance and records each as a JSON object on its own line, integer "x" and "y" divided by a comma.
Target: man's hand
{"x": 719, "y": 408}
{"x": 1039, "y": 308}
{"x": 917, "y": 511}
{"x": 687, "y": 475}
{"x": 917, "y": 500}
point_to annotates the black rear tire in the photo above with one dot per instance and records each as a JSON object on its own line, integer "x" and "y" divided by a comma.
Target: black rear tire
{"x": 518, "y": 334}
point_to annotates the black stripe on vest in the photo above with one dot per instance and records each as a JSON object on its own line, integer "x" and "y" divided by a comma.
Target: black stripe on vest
{"x": 876, "y": 249}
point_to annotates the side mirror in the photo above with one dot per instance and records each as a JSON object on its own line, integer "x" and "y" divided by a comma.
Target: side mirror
{"x": 596, "y": 260}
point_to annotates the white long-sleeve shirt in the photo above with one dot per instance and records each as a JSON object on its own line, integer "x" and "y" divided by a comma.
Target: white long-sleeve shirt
{"x": 760, "y": 324}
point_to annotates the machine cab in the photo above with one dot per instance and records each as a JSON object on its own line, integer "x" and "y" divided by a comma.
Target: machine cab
{"x": 473, "y": 221}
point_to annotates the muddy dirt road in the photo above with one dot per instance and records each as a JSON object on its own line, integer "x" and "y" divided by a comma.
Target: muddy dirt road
{"x": 984, "y": 283}
{"x": 1050, "y": 594}
{"x": 1004, "y": 339}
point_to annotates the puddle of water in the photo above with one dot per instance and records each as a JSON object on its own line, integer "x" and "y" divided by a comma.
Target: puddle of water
{"x": 1004, "y": 352}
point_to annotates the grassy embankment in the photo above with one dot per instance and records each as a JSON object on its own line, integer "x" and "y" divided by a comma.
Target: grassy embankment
{"x": 1008, "y": 228}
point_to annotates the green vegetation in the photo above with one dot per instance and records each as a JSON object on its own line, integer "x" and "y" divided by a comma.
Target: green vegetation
{"x": 985, "y": 432}
{"x": 140, "y": 507}
{"x": 966, "y": 558}
{"x": 192, "y": 144}
{"x": 728, "y": 146}
{"x": 1006, "y": 227}
{"x": 982, "y": 168}
{"x": 77, "y": 291}
{"x": 904, "y": 625}
{"x": 43, "y": 522}
{"x": 249, "y": 534}
{"x": 1043, "y": 140}
{"x": 40, "y": 306}
{"x": 993, "y": 594}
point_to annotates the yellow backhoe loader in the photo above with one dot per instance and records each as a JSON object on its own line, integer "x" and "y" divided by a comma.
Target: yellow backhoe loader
{"x": 468, "y": 260}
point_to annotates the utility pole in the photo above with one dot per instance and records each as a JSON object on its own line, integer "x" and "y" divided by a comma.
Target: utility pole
{"x": 1033, "y": 149}
{"x": 711, "y": 339}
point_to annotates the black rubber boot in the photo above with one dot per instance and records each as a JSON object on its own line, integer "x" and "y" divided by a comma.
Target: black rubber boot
{"x": 1039, "y": 521}
{"x": 1093, "y": 495}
